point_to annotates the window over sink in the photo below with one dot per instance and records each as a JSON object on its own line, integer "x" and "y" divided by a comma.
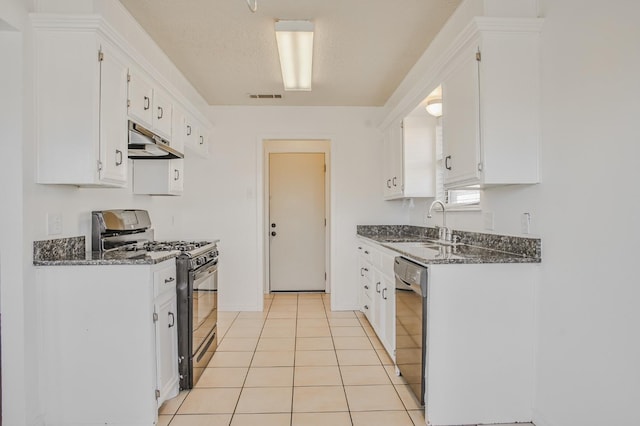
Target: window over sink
{"x": 454, "y": 199}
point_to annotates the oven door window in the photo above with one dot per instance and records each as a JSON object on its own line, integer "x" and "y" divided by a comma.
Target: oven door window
{"x": 205, "y": 294}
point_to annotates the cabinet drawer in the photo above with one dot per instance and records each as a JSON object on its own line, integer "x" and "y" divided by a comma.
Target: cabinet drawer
{"x": 164, "y": 280}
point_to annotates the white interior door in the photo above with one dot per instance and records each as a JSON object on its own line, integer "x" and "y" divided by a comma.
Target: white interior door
{"x": 297, "y": 221}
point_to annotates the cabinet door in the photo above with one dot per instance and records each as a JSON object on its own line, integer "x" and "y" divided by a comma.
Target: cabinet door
{"x": 166, "y": 345}
{"x": 379, "y": 320}
{"x": 393, "y": 153}
{"x": 178, "y": 133}
{"x": 140, "y": 100}
{"x": 460, "y": 122}
{"x": 176, "y": 176}
{"x": 162, "y": 114}
{"x": 113, "y": 117}
{"x": 389, "y": 312}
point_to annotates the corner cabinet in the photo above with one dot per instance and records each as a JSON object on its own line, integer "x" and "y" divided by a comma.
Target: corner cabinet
{"x": 409, "y": 158}
{"x": 491, "y": 111}
{"x": 109, "y": 342}
{"x": 81, "y": 106}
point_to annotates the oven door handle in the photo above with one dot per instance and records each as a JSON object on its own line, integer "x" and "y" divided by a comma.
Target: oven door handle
{"x": 208, "y": 271}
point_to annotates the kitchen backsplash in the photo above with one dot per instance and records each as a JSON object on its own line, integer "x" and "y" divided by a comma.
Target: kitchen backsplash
{"x": 60, "y": 248}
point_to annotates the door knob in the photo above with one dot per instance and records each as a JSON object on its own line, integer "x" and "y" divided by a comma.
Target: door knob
{"x": 273, "y": 233}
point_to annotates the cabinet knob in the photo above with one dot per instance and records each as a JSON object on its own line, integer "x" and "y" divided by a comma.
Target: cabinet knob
{"x": 366, "y": 306}
{"x": 366, "y": 287}
{"x": 169, "y": 280}
{"x": 273, "y": 233}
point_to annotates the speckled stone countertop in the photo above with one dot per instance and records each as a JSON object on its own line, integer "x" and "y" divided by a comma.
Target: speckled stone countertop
{"x": 71, "y": 251}
{"x": 420, "y": 244}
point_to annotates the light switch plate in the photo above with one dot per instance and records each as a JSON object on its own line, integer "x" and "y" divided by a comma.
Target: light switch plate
{"x": 525, "y": 223}
{"x": 488, "y": 221}
{"x": 54, "y": 223}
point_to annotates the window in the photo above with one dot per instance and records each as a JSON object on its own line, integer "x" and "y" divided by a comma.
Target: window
{"x": 455, "y": 199}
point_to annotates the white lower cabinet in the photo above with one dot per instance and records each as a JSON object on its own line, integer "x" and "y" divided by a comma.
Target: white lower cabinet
{"x": 108, "y": 346}
{"x": 480, "y": 343}
{"x": 377, "y": 292}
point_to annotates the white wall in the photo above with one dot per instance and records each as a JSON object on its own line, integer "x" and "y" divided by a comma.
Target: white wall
{"x": 18, "y": 382}
{"x": 588, "y": 370}
{"x": 585, "y": 210}
{"x": 232, "y": 197}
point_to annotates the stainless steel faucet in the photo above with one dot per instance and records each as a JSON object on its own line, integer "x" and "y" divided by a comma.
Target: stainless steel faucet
{"x": 443, "y": 233}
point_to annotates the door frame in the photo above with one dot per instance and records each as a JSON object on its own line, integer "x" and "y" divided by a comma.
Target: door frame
{"x": 290, "y": 145}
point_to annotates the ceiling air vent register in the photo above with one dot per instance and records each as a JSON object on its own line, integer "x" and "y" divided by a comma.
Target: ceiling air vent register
{"x": 265, "y": 96}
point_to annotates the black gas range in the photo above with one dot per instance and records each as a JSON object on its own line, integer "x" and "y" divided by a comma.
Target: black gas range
{"x": 196, "y": 282}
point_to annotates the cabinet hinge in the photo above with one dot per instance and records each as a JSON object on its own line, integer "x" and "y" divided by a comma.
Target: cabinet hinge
{"x": 480, "y": 167}
{"x": 325, "y": 221}
{"x": 325, "y": 168}
{"x": 128, "y": 77}
{"x": 325, "y": 276}
{"x": 157, "y": 393}
{"x": 478, "y": 56}
{"x": 155, "y": 317}
{"x": 100, "y": 56}
{"x": 99, "y": 165}
{"x": 128, "y": 103}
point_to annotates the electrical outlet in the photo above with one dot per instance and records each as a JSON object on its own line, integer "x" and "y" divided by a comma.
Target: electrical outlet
{"x": 525, "y": 223}
{"x": 54, "y": 223}
{"x": 488, "y": 221}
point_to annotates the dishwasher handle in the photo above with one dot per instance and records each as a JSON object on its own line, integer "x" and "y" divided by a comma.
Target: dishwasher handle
{"x": 403, "y": 285}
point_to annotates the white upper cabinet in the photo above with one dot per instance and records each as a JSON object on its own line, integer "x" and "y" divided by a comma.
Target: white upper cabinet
{"x": 409, "y": 158}
{"x": 158, "y": 177}
{"x": 139, "y": 104}
{"x": 196, "y": 137}
{"x": 491, "y": 117}
{"x": 150, "y": 106}
{"x": 81, "y": 101}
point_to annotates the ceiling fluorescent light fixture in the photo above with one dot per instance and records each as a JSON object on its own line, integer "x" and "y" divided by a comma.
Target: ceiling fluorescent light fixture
{"x": 295, "y": 47}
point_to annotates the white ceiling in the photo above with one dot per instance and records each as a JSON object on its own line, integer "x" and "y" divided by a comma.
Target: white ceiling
{"x": 362, "y": 48}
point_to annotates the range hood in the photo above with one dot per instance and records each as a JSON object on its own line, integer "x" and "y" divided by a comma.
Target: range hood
{"x": 146, "y": 145}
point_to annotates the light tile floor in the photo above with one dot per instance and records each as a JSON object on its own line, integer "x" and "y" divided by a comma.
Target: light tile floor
{"x": 296, "y": 363}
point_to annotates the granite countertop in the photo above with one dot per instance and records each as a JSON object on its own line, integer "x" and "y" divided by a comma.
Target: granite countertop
{"x": 420, "y": 244}
{"x": 71, "y": 251}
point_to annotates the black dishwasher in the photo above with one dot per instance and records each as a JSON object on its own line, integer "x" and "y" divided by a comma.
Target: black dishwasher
{"x": 411, "y": 330}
